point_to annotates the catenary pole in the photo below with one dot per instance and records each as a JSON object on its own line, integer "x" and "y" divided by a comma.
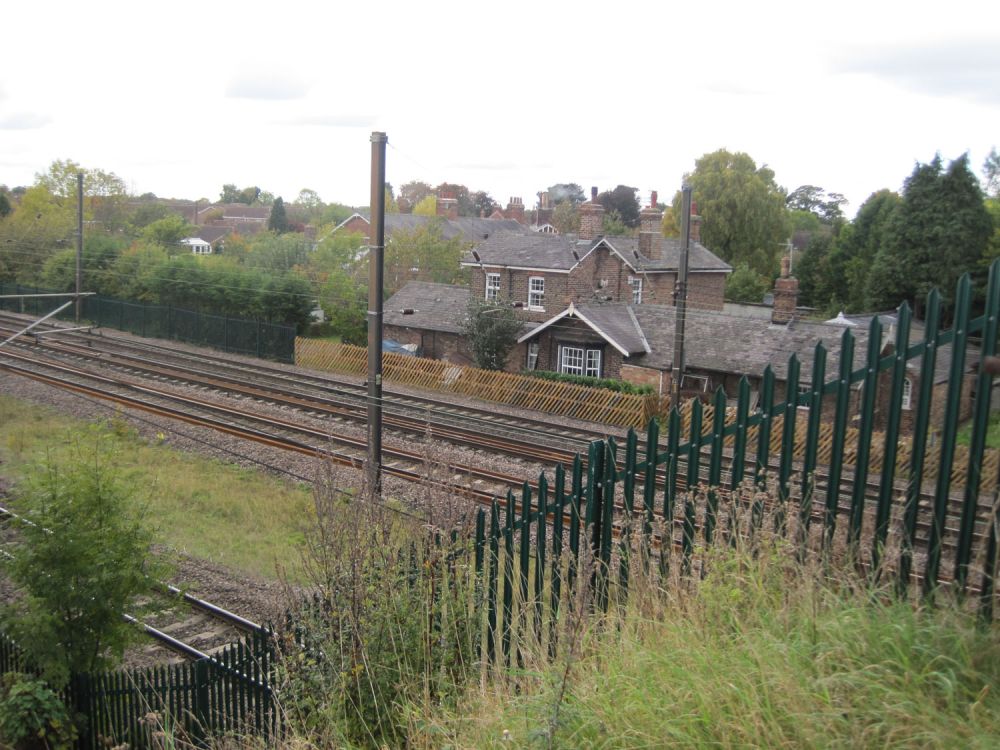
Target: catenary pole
{"x": 79, "y": 243}
{"x": 376, "y": 259}
{"x": 680, "y": 301}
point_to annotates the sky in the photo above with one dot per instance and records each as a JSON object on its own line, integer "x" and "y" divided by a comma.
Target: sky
{"x": 180, "y": 98}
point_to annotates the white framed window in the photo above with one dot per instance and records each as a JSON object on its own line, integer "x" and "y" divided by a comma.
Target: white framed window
{"x": 594, "y": 363}
{"x": 635, "y": 282}
{"x": 532, "y": 356}
{"x": 907, "y": 392}
{"x": 571, "y": 360}
{"x": 695, "y": 383}
{"x": 492, "y": 287}
{"x": 536, "y": 293}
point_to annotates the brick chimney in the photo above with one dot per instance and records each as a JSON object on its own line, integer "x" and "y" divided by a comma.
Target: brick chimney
{"x": 695, "y": 223}
{"x": 447, "y": 205}
{"x": 591, "y": 218}
{"x": 651, "y": 231}
{"x": 515, "y": 210}
{"x": 786, "y": 296}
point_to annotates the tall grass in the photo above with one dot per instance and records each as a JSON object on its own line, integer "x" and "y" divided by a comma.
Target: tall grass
{"x": 760, "y": 653}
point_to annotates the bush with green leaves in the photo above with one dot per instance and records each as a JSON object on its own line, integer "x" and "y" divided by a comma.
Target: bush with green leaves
{"x": 492, "y": 329}
{"x": 609, "y": 384}
{"x": 389, "y": 636}
{"x": 82, "y": 560}
{"x": 32, "y": 715}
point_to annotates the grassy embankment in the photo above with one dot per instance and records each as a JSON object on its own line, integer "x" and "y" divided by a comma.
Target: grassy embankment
{"x": 238, "y": 517}
{"x": 762, "y": 653}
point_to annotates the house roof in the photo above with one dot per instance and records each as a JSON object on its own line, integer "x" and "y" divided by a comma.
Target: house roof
{"x": 465, "y": 227}
{"x": 561, "y": 253}
{"x": 608, "y": 322}
{"x": 436, "y": 307}
{"x": 212, "y": 235}
{"x": 243, "y": 211}
{"x": 713, "y": 341}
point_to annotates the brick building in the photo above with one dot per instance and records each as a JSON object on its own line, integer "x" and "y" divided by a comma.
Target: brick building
{"x": 543, "y": 273}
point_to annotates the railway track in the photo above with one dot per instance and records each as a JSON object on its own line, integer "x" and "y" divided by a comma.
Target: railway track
{"x": 337, "y": 398}
{"x": 311, "y": 395}
{"x": 180, "y": 626}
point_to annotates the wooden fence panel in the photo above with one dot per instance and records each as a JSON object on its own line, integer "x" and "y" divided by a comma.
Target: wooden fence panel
{"x": 553, "y": 397}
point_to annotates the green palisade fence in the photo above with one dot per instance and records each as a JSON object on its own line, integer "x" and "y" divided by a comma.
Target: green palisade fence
{"x": 249, "y": 337}
{"x": 899, "y": 508}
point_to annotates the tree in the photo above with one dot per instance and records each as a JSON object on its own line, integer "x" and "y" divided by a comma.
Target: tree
{"x": 100, "y": 254}
{"x": 566, "y": 218}
{"x": 105, "y": 194}
{"x": 492, "y": 329}
{"x": 466, "y": 205}
{"x": 422, "y": 254}
{"x": 344, "y": 299}
{"x": 278, "y": 221}
{"x": 940, "y": 230}
{"x": 815, "y": 200}
{"x": 991, "y": 174}
{"x": 412, "y": 193}
{"x": 84, "y": 561}
{"x": 5, "y": 208}
{"x": 484, "y": 203}
{"x": 426, "y": 207}
{"x": 230, "y": 193}
{"x": 168, "y": 231}
{"x": 742, "y": 210}
{"x": 745, "y": 285}
{"x": 623, "y": 202}
{"x": 308, "y": 199}
{"x": 40, "y": 225}
{"x": 842, "y": 280}
{"x": 566, "y": 191}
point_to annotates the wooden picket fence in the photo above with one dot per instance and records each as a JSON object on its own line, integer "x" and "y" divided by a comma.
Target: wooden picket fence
{"x": 552, "y": 397}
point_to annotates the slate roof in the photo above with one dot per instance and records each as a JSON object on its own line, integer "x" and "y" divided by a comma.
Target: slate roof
{"x": 466, "y": 227}
{"x": 714, "y": 341}
{"x": 437, "y": 307}
{"x": 212, "y": 235}
{"x": 556, "y": 253}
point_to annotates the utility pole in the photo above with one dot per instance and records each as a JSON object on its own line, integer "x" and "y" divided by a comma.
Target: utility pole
{"x": 79, "y": 243}
{"x": 680, "y": 302}
{"x": 376, "y": 259}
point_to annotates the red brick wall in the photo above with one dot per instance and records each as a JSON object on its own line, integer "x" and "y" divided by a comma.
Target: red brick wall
{"x": 356, "y": 224}
{"x": 450, "y": 347}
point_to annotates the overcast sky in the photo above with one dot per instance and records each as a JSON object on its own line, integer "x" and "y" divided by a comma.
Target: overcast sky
{"x": 509, "y": 97}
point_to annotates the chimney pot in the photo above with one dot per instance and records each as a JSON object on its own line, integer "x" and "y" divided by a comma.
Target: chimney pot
{"x": 652, "y": 200}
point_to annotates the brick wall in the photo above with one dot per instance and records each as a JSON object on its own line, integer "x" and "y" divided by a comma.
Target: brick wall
{"x": 655, "y": 379}
{"x": 450, "y": 347}
{"x": 706, "y": 291}
{"x": 356, "y": 224}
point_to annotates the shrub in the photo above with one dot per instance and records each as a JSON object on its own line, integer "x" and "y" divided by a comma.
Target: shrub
{"x": 32, "y": 715}
{"x": 609, "y": 384}
{"x": 84, "y": 560}
{"x": 388, "y": 636}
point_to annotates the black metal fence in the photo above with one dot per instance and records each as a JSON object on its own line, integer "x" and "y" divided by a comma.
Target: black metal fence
{"x": 229, "y": 693}
{"x": 248, "y": 337}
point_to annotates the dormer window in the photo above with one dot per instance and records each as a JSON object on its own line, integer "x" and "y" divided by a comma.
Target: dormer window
{"x": 536, "y": 293}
